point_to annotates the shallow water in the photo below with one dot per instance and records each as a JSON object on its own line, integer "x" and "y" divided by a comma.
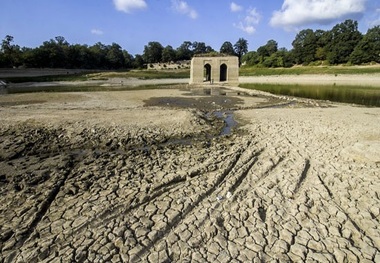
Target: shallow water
{"x": 229, "y": 121}
{"x": 368, "y": 96}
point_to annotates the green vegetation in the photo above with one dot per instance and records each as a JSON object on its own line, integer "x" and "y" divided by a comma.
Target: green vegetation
{"x": 105, "y": 75}
{"x": 368, "y": 96}
{"x": 58, "y": 53}
{"x": 143, "y": 74}
{"x": 332, "y": 70}
{"x": 67, "y": 77}
{"x": 343, "y": 44}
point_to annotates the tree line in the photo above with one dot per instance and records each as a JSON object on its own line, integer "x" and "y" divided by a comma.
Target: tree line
{"x": 341, "y": 45}
{"x": 58, "y": 53}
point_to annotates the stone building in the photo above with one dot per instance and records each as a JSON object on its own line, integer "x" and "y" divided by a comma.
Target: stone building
{"x": 215, "y": 69}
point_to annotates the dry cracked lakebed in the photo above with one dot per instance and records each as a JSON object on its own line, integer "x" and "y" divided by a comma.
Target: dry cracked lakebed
{"x": 285, "y": 186}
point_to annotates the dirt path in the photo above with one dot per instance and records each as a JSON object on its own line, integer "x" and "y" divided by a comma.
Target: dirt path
{"x": 105, "y": 177}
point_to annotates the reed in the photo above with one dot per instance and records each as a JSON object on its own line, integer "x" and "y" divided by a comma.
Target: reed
{"x": 368, "y": 96}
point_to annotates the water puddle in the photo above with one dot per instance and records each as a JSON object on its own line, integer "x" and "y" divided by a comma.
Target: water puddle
{"x": 229, "y": 121}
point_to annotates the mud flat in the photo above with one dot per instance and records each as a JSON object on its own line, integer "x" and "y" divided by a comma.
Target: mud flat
{"x": 144, "y": 176}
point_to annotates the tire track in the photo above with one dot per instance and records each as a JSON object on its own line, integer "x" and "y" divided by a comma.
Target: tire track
{"x": 245, "y": 172}
{"x": 302, "y": 176}
{"x": 115, "y": 211}
{"x": 45, "y": 205}
{"x": 181, "y": 216}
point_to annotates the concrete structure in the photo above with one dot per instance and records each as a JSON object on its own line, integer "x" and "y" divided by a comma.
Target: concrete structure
{"x": 217, "y": 70}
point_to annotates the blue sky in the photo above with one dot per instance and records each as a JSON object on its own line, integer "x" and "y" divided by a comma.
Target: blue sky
{"x": 134, "y": 23}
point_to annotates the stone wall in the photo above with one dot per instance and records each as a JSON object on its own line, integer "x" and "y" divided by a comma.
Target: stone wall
{"x": 218, "y": 70}
{"x": 185, "y": 64}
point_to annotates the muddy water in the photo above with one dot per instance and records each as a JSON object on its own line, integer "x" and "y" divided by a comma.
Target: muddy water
{"x": 217, "y": 105}
{"x": 229, "y": 121}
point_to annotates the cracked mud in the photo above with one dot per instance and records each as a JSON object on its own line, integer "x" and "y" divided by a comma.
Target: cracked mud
{"x": 92, "y": 178}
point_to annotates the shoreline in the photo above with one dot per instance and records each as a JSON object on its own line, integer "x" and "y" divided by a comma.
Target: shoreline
{"x": 371, "y": 80}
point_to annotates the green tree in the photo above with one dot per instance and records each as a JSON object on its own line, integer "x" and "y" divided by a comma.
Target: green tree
{"x": 98, "y": 53}
{"x": 11, "y": 54}
{"x": 368, "y": 49}
{"x": 115, "y": 57}
{"x": 184, "y": 51}
{"x": 128, "y": 58}
{"x": 138, "y": 62}
{"x": 323, "y": 40}
{"x": 227, "y": 48}
{"x": 209, "y": 49}
{"x": 168, "y": 54}
{"x": 305, "y": 46}
{"x": 268, "y": 49}
{"x": 241, "y": 48}
{"x": 251, "y": 58}
{"x": 80, "y": 56}
{"x": 153, "y": 52}
{"x": 53, "y": 53}
{"x": 199, "y": 47}
{"x": 344, "y": 38}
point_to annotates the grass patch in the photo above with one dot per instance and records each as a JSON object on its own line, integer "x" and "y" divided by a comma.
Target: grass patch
{"x": 68, "y": 77}
{"x": 332, "y": 70}
{"x": 368, "y": 96}
{"x": 103, "y": 75}
{"x": 143, "y": 74}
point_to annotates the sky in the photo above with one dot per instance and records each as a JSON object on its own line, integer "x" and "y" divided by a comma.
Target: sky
{"x": 134, "y": 23}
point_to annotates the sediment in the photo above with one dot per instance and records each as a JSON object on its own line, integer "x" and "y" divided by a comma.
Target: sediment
{"x": 291, "y": 183}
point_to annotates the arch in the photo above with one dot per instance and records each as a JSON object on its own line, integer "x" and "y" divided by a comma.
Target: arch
{"x": 223, "y": 72}
{"x": 207, "y": 72}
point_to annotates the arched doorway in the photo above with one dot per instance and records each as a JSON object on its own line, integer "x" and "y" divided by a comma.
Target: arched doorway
{"x": 207, "y": 72}
{"x": 223, "y": 72}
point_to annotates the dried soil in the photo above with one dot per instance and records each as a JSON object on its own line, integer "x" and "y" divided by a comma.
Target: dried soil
{"x": 111, "y": 177}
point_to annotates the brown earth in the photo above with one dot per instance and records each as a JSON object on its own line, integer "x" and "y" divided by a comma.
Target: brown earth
{"x": 131, "y": 176}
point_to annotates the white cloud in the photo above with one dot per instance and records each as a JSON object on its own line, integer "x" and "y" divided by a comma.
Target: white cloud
{"x": 301, "y": 12}
{"x": 97, "y": 32}
{"x": 250, "y": 21}
{"x": 235, "y": 7}
{"x": 182, "y": 7}
{"x": 376, "y": 19}
{"x": 128, "y": 5}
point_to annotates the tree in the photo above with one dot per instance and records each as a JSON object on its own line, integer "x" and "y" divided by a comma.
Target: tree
{"x": 368, "y": 49}
{"x": 323, "y": 39}
{"x": 184, "y": 51}
{"x": 209, "y": 49}
{"x": 344, "y": 38}
{"x": 98, "y": 53}
{"x": 241, "y": 48}
{"x": 252, "y": 58}
{"x": 227, "y": 48}
{"x": 128, "y": 58}
{"x": 199, "y": 47}
{"x": 10, "y": 53}
{"x": 268, "y": 49}
{"x": 168, "y": 54}
{"x": 115, "y": 57}
{"x": 305, "y": 46}
{"x": 138, "y": 62}
{"x": 153, "y": 52}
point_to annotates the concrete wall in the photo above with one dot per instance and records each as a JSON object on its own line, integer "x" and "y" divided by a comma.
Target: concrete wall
{"x": 197, "y": 71}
